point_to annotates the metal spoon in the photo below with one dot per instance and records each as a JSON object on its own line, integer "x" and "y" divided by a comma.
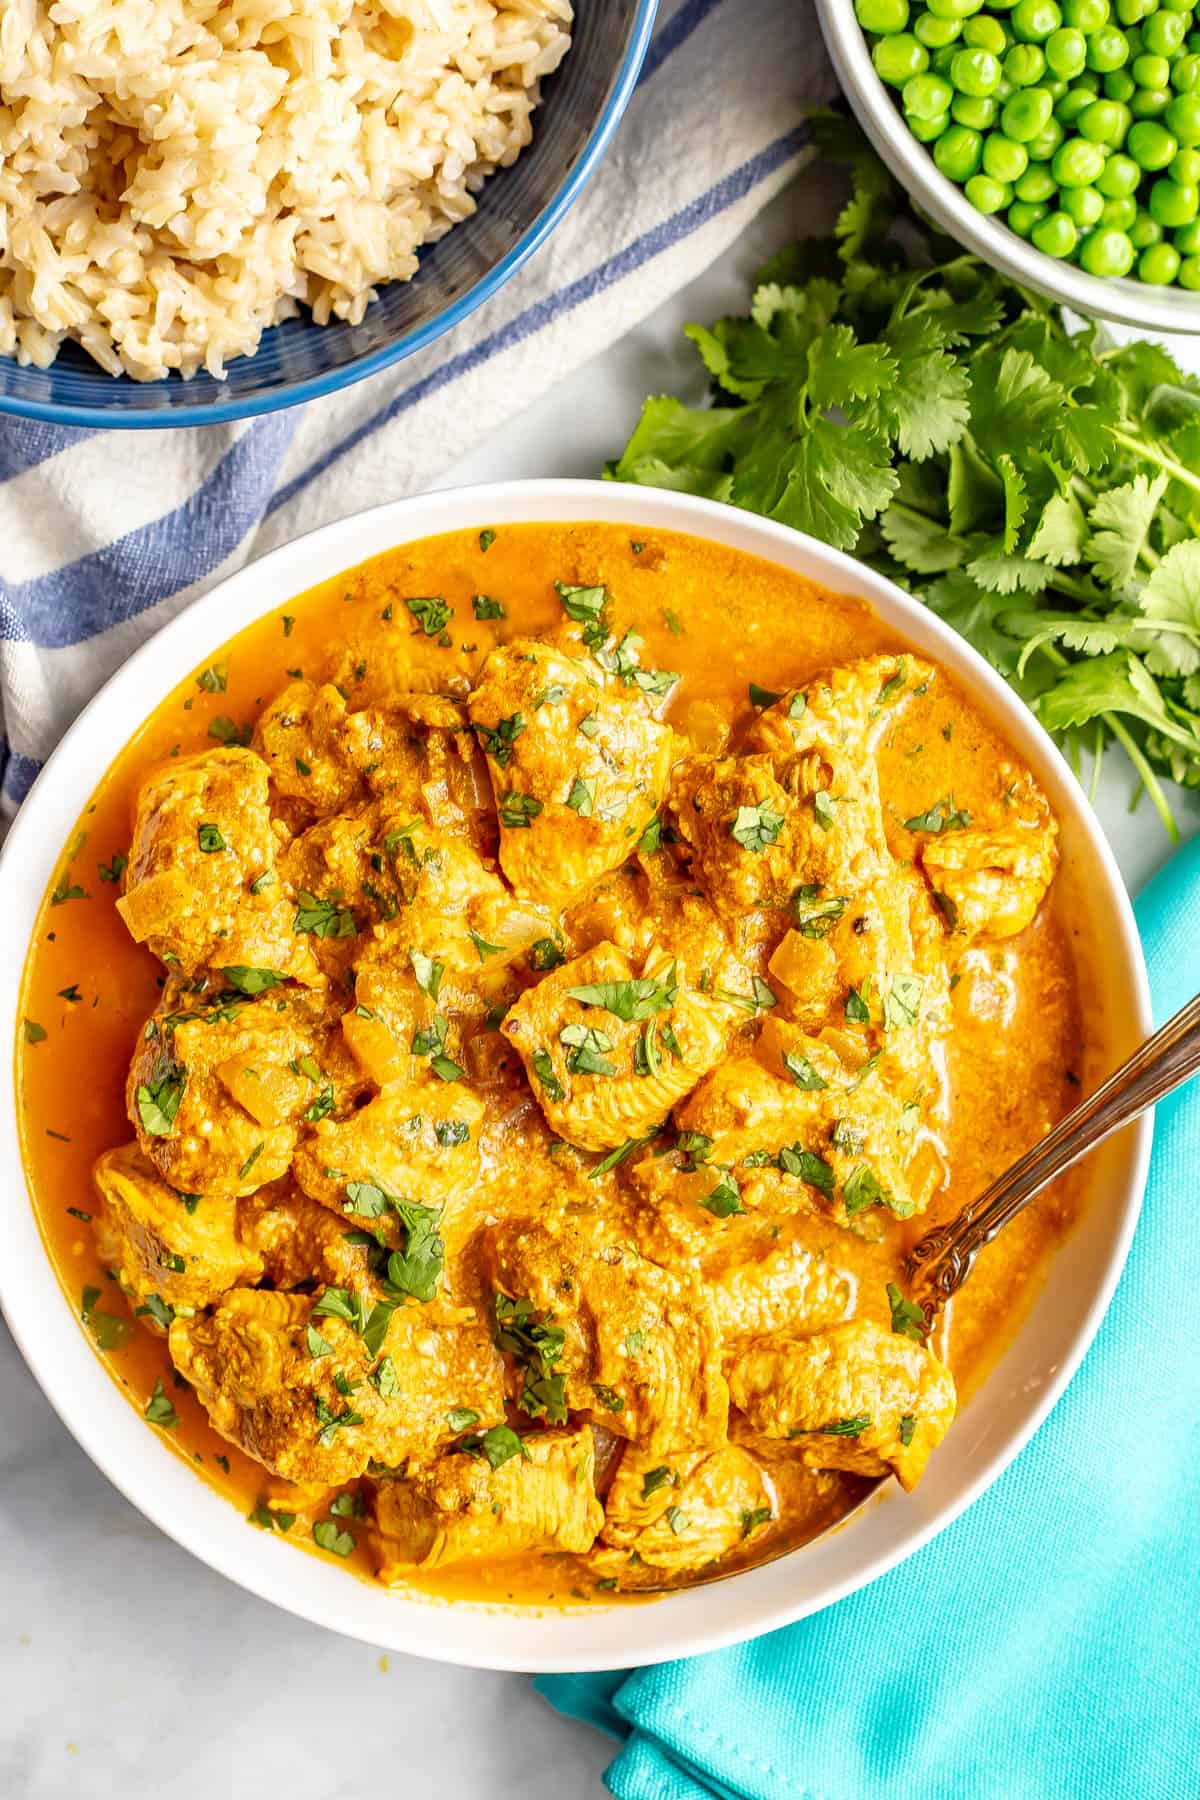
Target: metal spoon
{"x": 940, "y": 1263}
{"x": 942, "y": 1260}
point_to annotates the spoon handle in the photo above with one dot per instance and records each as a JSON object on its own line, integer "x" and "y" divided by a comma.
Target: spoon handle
{"x": 940, "y": 1263}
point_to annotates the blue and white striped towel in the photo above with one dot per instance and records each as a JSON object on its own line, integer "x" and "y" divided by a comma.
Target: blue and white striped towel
{"x": 105, "y": 536}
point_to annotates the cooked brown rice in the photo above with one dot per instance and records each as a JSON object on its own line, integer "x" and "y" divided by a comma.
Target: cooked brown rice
{"x": 177, "y": 175}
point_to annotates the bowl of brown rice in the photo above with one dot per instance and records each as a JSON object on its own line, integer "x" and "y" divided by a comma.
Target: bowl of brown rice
{"x": 214, "y": 208}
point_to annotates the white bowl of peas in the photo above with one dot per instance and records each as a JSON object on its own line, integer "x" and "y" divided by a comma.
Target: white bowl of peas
{"x": 1059, "y": 140}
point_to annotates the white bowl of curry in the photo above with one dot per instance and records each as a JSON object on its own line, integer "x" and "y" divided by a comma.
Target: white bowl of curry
{"x": 488, "y": 1042}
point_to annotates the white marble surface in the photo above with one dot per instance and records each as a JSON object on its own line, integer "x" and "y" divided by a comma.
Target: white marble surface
{"x": 126, "y": 1666}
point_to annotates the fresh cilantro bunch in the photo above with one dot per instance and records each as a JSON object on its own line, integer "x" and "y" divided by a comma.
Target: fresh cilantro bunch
{"x": 1037, "y": 486}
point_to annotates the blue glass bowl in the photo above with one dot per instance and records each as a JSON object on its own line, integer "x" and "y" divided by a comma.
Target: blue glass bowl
{"x": 518, "y": 207}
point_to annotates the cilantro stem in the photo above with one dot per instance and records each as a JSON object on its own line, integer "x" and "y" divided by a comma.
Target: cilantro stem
{"x": 1149, "y": 453}
{"x": 1148, "y": 778}
{"x": 1097, "y": 761}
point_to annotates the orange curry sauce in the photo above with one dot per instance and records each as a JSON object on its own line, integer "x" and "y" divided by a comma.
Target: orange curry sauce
{"x": 723, "y": 620}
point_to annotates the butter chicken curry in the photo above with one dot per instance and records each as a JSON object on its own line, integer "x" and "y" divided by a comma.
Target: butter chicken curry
{"x": 499, "y": 1028}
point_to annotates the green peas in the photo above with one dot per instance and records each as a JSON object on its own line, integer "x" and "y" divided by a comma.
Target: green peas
{"x": 1150, "y": 146}
{"x": 1145, "y": 231}
{"x": 926, "y": 130}
{"x": 1120, "y": 176}
{"x": 926, "y": 96}
{"x": 1187, "y": 239}
{"x": 1118, "y": 215}
{"x": 940, "y": 59}
{"x": 1033, "y": 21}
{"x": 1055, "y": 235}
{"x": 1159, "y": 265}
{"x": 986, "y": 195}
{"x": 1182, "y": 117}
{"x": 898, "y": 58}
{"x": 1026, "y": 114}
{"x": 1077, "y": 163}
{"x": 1042, "y": 147}
{"x": 1130, "y": 11}
{"x": 1185, "y": 74}
{"x": 1003, "y": 159}
{"x": 953, "y": 9}
{"x": 1173, "y": 203}
{"x": 980, "y": 115}
{"x": 1066, "y": 52}
{"x": 1150, "y": 103}
{"x": 1024, "y": 65}
{"x": 1119, "y": 85}
{"x": 1107, "y": 253}
{"x": 1108, "y": 48}
{"x": 1163, "y": 33}
{"x": 1189, "y": 273}
{"x": 1085, "y": 15}
{"x": 1036, "y": 184}
{"x": 936, "y": 33}
{"x": 1105, "y": 122}
{"x": 1073, "y": 102}
{"x": 975, "y": 73}
{"x": 1150, "y": 71}
{"x": 986, "y": 34}
{"x": 1023, "y": 215}
{"x": 1185, "y": 167}
{"x": 957, "y": 152}
{"x": 883, "y": 16}
{"x": 1084, "y": 204}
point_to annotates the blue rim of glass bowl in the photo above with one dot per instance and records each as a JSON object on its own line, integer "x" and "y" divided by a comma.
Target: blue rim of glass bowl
{"x": 418, "y": 337}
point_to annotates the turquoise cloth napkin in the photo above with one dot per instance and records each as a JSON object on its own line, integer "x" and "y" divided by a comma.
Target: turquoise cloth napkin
{"x": 1046, "y": 1645}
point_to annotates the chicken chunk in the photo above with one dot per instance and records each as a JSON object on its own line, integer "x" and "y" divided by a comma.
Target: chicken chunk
{"x": 325, "y": 758}
{"x": 875, "y": 970}
{"x": 761, "y": 1269}
{"x": 299, "y": 1241}
{"x": 802, "y": 808}
{"x": 640, "y": 1345}
{"x": 854, "y": 1396}
{"x": 991, "y": 883}
{"x": 301, "y": 736}
{"x": 793, "y": 1128}
{"x": 222, "y": 1085}
{"x": 638, "y": 912}
{"x": 459, "y": 1508}
{"x": 761, "y": 835}
{"x": 680, "y": 1515}
{"x": 578, "y": 762}
{"x": 182, "y": 1249}
{"x": 201, "y": 888}
{"x": 417, "y": 1141}
{"x": 610, "y": 1049}
{"x": 842, "y": 712}
{"x": 266, "y": 1367}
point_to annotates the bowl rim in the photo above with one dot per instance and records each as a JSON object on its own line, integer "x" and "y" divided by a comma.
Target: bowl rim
{"x": 1116, "y": 298}
{"x": 316, "y": 387}
{"x": 157, "y": 1480}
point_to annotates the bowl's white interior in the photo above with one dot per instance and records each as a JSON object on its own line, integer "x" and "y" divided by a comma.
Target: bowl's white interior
{"x": 990, "y": 1430}
{"x": 1131, "y": 302}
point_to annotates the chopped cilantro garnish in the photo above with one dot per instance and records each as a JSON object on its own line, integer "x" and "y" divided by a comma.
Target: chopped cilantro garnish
{"x": 582, "y": 797}
{"x": 251, "y": 981}
{"x": 907, "y": 1317}
{"x": 517, "y": 811}
{"x": 756, "y": 827}
{"x": 586, "y": 1047}
{"x": 802, "y": 1072}
{"x": 430, "y": 612}
{"x": 159, "y": 1410}
{"x": 942, "y": 816}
